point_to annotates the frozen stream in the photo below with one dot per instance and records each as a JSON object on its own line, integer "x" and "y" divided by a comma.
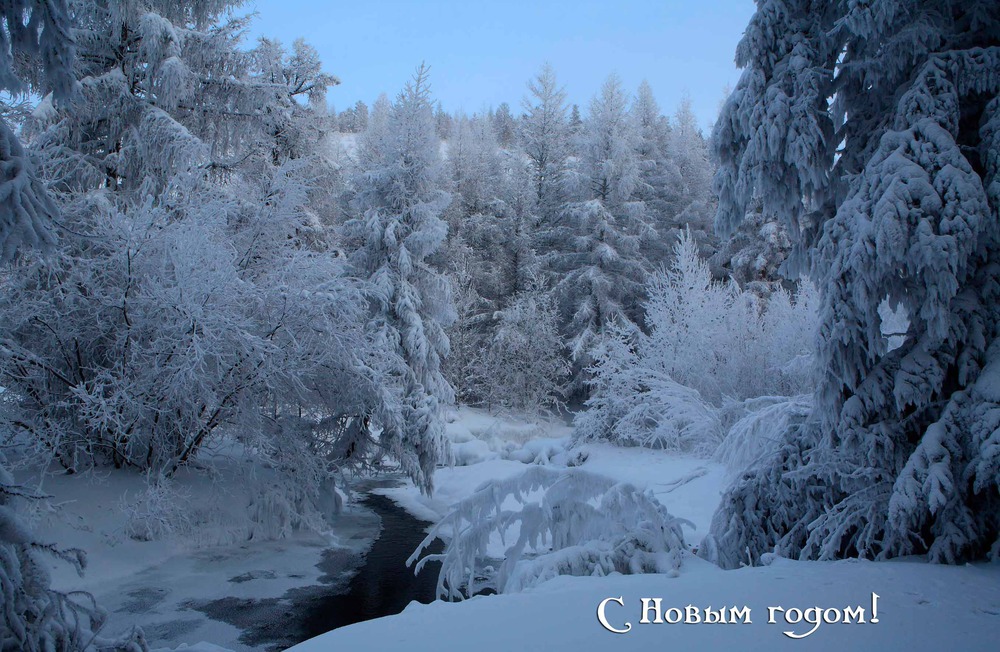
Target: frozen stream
{"x": 382, "y": 586}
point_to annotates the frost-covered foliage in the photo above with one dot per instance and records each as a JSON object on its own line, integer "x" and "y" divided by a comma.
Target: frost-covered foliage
{"x": 397, "y": 228}
{"x": 568, "y": 522}
{"x": 524, "y": 367}
{"x": 709, "y": 345}
{"x": 158, "y": 511}
{"x": 146, "y": 339}
{"x": 609, "y": 140}
{"x": 194, "y": 292}
{"x": 872, "y": 130}
{"x": 36, "y": 56}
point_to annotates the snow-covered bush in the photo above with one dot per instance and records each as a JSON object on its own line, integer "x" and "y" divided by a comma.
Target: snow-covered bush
{"x": 568, "y": 522}
{"x": 160, "y": 510}
{"x": 638, "y": 404}
{"x": 710, "y": 345}
{"x": 140, "y": 343}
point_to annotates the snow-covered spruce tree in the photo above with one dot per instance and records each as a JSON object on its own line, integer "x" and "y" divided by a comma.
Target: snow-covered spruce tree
{"x": 399, "y": 204}
{"x": 580, "y": 524}
{"x": 599, "y": 273}
{"x": 608, "y": 144}
{"x": 595, "y": 258}
{"x": 873, "y": 131}
{"x": 689, "y": 152}
{"x": 660, "y": 185}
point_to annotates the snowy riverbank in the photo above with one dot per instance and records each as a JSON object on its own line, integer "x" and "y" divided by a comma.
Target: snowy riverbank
{"x": 920, "y": 606}
{"x": 213, "y": 578}
{"x": 245, "y": 594}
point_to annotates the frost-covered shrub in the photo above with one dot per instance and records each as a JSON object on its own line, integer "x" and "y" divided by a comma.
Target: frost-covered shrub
{"x": 138, "y": 345}
{"x": 158, "y": 511}
{"x": 709, "y": 345}
{"x": 524, "y": 366}
{"x": 568, "y": 522}
{"x": 634, "y": 404}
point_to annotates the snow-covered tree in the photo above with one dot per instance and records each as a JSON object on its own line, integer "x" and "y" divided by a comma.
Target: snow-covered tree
{"x": 193, "y": 291}
{"x": 709, "y": 345}
{"x": 36, "y": 55}
{"x": 523, "y": 366}
{"x": 872, "y": 131}
{"x": 504, "y": 125}
{"x": 598, "y": 271}
{"x": 399, "y": 204}
{"x": 610, "y": 165}
{"x": 568, "y": 522}
{"x": 660, "y": 183}
{"x": 544, "y": 135}
{"x": 688, "y": 150}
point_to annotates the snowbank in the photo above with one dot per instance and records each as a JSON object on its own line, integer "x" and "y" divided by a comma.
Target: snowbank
{"x": 920, "y": 607}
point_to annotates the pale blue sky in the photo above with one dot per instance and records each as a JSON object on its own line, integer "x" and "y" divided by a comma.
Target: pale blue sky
{"x": 482, "y": 54}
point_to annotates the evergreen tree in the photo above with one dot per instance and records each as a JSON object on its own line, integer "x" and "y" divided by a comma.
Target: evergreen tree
{"x": 688, "y": 151}
{"x": 399, "y": 206}
{"x": 872, "y": 131}
{"x": 608, "y": 149}
{"x": 660, "y": 184}
{"x": 505, "y": 126}
{"x": 545, "y": 138}
{"x": 593, "y": 251}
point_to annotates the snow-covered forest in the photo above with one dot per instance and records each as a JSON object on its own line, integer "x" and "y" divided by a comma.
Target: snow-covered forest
{"x": 575, "y": 342}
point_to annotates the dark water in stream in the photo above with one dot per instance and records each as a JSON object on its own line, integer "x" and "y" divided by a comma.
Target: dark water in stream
{"x": 383, "y": 586}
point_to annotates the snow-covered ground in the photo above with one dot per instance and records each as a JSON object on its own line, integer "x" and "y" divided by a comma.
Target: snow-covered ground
{"x": 920, "y": 606}
{"x": 492, "y": 448}
{"x": 214, "y": 580}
